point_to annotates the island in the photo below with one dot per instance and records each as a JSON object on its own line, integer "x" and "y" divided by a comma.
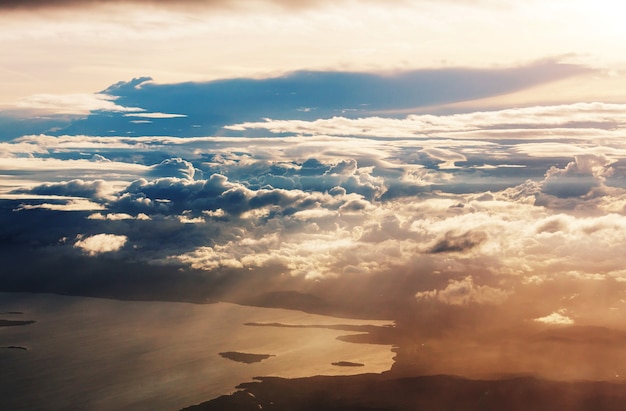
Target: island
{"x": 347, "y": 364}
{"x": 15, "y": 347}
{"x": 245, "y": 357}
{"x": 13, "y": 323}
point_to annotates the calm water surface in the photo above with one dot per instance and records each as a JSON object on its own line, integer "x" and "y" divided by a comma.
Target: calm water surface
{"x": 98, "y": 354}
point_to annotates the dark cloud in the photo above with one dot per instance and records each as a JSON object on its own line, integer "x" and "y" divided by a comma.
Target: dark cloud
{"x": 16, "y": 123}
{"x": 174, "y": 196}
{"x": 173, "y": 167}
{"x": 579, "y": 177}
{"x": 74, "y": 188}
{"x": 458, "y": 243}
{"x": 179, "y": 4}
{"x": 400, "y": 189}
{"x": 36, "y": 4}
{"x": 552, "y": 226}
{"x": 210, "y": 106}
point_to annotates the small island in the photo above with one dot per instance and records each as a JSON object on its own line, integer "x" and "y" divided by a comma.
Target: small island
{"x": 245, "y": 357}
{"x": 347, "y": 364}
{"x": 13, "y": 323}
{"x": 15, "y": 347}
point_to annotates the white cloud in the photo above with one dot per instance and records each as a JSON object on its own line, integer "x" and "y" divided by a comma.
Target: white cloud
{"x": 117, "y": 216}
{"x": 78, "y": 104}
{"x": 534, "y": 122}
{"x": 465, "y": 291}
{"x": 448, "y": 157}
{"x": 101, "y": 243}
{"x": 155, "y": 115}
{"x": 332, "y": 207}
{"x": 556, "y": 318}
{"x": 579, "y": 177}
{"x": 64, "y": 204}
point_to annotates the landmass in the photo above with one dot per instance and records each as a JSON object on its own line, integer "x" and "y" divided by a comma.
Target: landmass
{"x": 15, "y": 347}
{"x": 539, "y": 368}
{"x": 347, "y": 364}
{"x": 245, "y": 357}
{"x": 439, "y": 392}
{"x": 13, "y": 323}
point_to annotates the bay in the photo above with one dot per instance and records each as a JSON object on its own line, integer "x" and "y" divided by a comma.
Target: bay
{"x": 98, "y": 354}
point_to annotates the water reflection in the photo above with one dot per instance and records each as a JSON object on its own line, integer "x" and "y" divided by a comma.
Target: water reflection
{"x": 96, "y": 354}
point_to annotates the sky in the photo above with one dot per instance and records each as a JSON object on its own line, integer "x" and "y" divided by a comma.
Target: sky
{"x": 66, "y": 47}
{"x": 374, "y": 155}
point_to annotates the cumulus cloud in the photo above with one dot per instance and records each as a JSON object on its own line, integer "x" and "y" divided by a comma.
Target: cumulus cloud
{"x": 579, "y": 177}
{"x": 463, "y": 292}
{"x": 556, "y": 318}
{"x": 173, "y": 195}
{"x": 389, "y": 213}
{"x": 173, "y": 167}
{"x": 117, "y": 216}
{"x": 101, "y": 243}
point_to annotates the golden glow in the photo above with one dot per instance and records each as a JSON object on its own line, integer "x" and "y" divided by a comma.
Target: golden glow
{"x": 85, "y": 50}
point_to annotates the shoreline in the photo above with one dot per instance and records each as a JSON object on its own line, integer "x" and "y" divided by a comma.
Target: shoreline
{"x": 378, "y": 391}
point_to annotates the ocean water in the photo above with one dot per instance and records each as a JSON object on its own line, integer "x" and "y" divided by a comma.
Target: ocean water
{"x": 99, "y": 354}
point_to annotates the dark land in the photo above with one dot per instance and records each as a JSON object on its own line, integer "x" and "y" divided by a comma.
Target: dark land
{"x": 347, "y": 364}
{"x": 13, "y": 323}
{"x": 530, "y": 369}
{"x": 432, "y": 393}
{"x": 245, "y": 357}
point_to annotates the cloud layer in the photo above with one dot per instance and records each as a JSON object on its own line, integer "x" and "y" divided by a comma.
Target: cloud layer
{"x": 143, "y": 107}
{"x": 483, "y": 209}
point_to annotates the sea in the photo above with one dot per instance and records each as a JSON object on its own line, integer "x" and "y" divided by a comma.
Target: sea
{"x": 101, "y": 354}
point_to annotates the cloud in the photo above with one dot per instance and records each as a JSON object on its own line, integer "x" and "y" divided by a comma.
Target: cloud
{"x": 173, "y": 195}
{"x": 458, "y": 243}
{"x": 535, "y": 122}
{"x": 77, "y": 104}
{"x": 154, "y": 115}
{"x": 579, "y": 177}
{"x": 101, "y": 243}
{"x": 36, "y": 4}
{"x": 63, "y": 205}
{"x": 556, "y": 318}
{"x": 173, "y": 167}
{"x": 241, "y": 104}
{"x": 448, "y": 157}
{"x": 320, "y": 213}
{"x": 73, "y": 188}
{"x": 117, "y": 216}
{"x": 463, "y": 292}
{"x": 211, "y": 4}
